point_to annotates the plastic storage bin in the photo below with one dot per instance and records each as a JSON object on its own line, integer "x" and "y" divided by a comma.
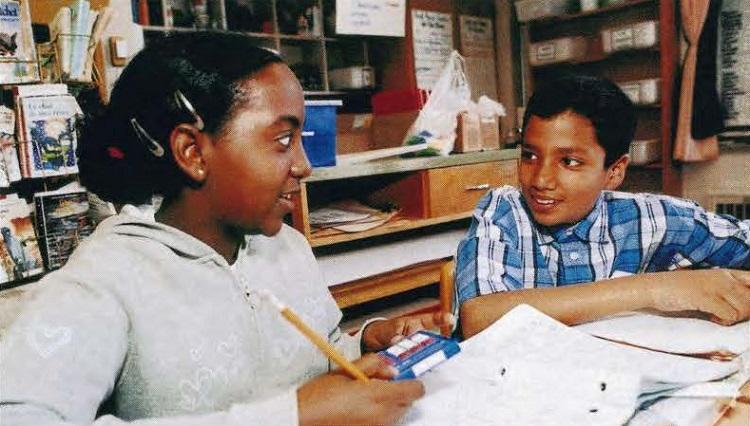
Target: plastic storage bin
{"x": 528, "y": 10}
{"x": 319, "y": 132}
{"x": 640, "y": 35}
{"x": 357, "y": 77}
{"x": 566, "y": 49}
{"x": 642, "y": 92}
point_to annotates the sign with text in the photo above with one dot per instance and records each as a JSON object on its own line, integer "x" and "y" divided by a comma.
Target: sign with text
{"x": 433, "y": 44}
{"x": 371, "y": 17}
{"x": 734, "y": 64}
{"x": 477, "y": 37}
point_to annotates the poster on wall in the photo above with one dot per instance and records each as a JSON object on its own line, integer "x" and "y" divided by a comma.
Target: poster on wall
{"x": 734, "y": 66}
{"x": 477, "y": 36}
{"x": 371, "y": 17}
{"x": 433, "y": 44}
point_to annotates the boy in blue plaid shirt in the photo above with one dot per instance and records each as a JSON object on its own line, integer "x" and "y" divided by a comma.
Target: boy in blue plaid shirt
{"x": 567, "y": 226}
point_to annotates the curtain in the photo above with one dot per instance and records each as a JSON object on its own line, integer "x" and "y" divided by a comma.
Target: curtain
{"x": 687, "y": 148}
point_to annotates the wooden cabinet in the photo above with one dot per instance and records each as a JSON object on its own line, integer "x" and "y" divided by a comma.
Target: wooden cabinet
{"x": 607, "y": 51}
{"x": 427, "y": 191}
{"x": 456, "y": 190}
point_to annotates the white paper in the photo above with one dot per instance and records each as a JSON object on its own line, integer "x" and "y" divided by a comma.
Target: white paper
{"x": 481, "y": 390}
{"x": 371, "y": 17}
{"x": 433, "y": 43}
{"x": 525, "y": 333}
{"x": 677, "y": 335}
{"x": 329, "y": 215}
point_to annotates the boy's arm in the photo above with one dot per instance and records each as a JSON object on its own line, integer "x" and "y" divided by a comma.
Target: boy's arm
{"x": 721, "y": 295}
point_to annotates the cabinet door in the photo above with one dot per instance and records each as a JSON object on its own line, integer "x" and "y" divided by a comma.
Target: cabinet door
{"x": 457, "y": 189}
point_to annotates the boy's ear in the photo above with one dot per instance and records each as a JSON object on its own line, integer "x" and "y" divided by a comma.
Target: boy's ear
{"x": 187, "y": 144}
{"x": 616, "y": 172}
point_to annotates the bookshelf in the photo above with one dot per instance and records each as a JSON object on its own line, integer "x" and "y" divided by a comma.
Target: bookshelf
{"x": 39, "y": 138}
{"x": 298, "y": 30}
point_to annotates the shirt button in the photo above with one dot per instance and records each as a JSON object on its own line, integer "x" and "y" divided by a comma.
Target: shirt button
{"x": 569, "y": 232}
{"x": 574, "y": 256}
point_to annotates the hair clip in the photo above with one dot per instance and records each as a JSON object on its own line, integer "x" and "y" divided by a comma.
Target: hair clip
{"x": 183, "y": 103}
{"x": 152, "y": 145}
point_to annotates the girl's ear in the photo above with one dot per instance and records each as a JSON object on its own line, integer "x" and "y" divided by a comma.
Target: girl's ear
{"x": 616, "y": 172}
{"x": 187, "y": 144}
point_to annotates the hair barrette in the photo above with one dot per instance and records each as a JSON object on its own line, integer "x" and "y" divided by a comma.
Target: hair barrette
{"x": 153, "y": 146}
{"x": 185, "y": 104}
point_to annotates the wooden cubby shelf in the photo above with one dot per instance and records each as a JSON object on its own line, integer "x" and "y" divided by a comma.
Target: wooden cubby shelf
{"x": 414, "y": 185}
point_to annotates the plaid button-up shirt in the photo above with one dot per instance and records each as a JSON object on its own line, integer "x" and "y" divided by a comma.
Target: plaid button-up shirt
{"x": 623, "y": 234}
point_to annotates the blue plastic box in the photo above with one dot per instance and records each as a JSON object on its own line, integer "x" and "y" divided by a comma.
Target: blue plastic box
{"x": 319, "y": 132}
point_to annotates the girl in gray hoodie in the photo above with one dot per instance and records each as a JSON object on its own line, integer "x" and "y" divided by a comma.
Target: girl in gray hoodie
{"x": 153, "y": 319}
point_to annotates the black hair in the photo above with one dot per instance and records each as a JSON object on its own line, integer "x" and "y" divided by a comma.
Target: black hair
{"x": 203, "y": 68}
{"x": 599, "y": 100}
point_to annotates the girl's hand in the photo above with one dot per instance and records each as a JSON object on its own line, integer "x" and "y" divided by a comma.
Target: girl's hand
{"x": 382, "y": 334}
{"x": 337, "y": 399}
{"x": 722, "y": 294}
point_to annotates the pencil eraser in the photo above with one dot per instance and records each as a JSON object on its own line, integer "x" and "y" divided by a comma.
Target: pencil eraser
{"x": 418, "y": 353}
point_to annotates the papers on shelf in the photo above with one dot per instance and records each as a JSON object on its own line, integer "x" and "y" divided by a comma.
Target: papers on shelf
{"x": 330, "y": 216}
{"x": 348, "y": 216}
{"x": 527, "y": 360}
{"x": 676, "y": 335}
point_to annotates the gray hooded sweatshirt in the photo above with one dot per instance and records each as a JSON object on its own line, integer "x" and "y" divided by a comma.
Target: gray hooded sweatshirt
{"x": 146, "y": 323}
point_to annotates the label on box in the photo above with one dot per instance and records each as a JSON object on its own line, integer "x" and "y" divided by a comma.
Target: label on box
{"x": 622, "y": 38}
{"x": 418, "y": 353}
{"x": 545, "y": 52}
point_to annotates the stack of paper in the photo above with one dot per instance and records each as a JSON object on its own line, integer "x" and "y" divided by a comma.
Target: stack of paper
{"x": 348, "y": 216}
{"x": 528, "y": 368}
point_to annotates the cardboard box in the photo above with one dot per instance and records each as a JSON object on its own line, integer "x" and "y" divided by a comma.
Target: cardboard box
{"x": 489, "y": 130}
{"x": 468, "y": 136}
{"x": 353, "y": 133}
{"x": 475, "y": 133}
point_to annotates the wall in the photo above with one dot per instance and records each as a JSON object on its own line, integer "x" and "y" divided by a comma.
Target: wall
{"x": 121, "y": 25}
{"x": 729, "y": 175}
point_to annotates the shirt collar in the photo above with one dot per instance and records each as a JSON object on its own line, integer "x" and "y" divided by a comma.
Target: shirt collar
{"x": 581, "y": 230}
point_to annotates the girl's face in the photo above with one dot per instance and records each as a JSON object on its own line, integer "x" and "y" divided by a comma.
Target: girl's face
{"x": 257, "y": 162}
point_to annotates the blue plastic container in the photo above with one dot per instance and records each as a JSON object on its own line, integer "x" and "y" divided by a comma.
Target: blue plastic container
{"x": 319, "y": 132}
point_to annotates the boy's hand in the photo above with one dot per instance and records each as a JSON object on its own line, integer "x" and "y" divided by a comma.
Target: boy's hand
{"x": 722, "y": 294}
{"x": 382, "y": 334}
{"x": 337, "y": 399}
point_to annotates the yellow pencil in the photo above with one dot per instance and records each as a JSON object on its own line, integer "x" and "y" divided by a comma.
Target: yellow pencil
{"x": 314, "y": 337}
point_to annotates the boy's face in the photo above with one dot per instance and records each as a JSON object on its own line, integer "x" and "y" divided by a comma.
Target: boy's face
{"x": 562, "y": 168}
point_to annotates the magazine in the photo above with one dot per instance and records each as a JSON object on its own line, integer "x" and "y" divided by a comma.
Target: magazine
{"x": 19, "y": 251}
{"x": 62, "y": 222}
{"x": 49, "y": 132}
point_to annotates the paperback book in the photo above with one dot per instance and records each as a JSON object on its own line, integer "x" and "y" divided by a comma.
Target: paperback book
{"x": 18, "y": 62}
{"x": 9, "y": 167}
{"x": 48, "y": 127}
{"x": 62, "y": 222}
{"x": 19, "y": 251}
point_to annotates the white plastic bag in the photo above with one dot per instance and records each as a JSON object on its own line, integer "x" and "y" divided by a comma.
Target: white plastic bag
{"x": 436, "y": 123}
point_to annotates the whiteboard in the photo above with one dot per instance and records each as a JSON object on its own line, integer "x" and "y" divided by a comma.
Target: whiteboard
{"x": 371, "y": 17}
